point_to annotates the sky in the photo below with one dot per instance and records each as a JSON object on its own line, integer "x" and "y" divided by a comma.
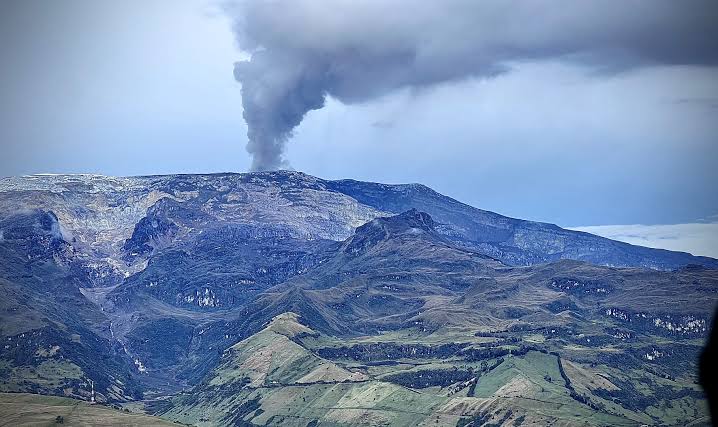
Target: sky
{"x": 605, "y": 121}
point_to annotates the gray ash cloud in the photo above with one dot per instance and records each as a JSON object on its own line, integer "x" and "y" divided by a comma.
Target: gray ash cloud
{"x": 302, "y": 51}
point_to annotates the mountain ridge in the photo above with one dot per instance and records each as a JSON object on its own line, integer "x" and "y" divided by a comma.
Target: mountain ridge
{"x": 464, "y": 315}
{"x": 514, "y": 241}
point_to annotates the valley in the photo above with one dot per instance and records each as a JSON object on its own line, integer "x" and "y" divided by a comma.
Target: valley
{"x": 278, "y": 298}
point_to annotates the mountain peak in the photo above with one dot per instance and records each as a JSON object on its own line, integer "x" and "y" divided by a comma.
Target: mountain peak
{"x": 411, "y": 222}
{"x": 287, "y": 324}
{"x": 416, "y": 219}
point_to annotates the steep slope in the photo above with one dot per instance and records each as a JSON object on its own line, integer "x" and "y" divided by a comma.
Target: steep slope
{"x": 513, "y": 241}
{"x": 194, "y": 289}
{"x": 119, "y": 222}
{"x": 379, "y": 278}
{"x": 172, "y": 281}
{"x": 271, "y": 378}
{"x": 477, "y": 340}
{"x": 271, "y": 357}
{"x": 288, "y": 374}
{"x": 52, "y": 335}
{"x": 399, "y": 271}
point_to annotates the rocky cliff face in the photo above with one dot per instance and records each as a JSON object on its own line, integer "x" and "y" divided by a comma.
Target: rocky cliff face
{"x": 158, "y": 276}
{"x": 118, "y": 222}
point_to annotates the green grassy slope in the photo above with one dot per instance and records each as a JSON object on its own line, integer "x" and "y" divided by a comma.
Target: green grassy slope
{"x": 288, "y": 374}
{"x": 21, "y": 409}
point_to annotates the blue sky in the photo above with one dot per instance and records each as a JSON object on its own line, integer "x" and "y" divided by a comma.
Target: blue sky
{"x": 128, "y": 88}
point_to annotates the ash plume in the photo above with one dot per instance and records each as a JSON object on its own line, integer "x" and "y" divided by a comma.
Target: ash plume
{"x": 302, "y": 51}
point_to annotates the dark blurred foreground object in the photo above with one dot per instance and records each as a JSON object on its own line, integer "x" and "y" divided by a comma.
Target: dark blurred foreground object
{"x": 708, "y": 376}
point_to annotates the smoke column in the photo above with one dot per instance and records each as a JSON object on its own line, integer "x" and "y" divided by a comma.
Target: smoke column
{"x": 302, "y": 51}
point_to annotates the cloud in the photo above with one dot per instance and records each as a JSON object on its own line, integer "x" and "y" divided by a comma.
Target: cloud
{"x": 302, "y": 51}
{"x": 695, "y": 238}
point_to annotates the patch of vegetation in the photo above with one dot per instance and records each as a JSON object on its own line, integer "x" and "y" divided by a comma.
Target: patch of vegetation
{"x": 236, "y": 418}
{"x": 560, "y": 305}
{"x": 482, "y": 420}
{"x": 572, "y": 391}
{"x": 629, "y": 396}
{"x": 391, "y": 351}
{"x": 519, "y": 420}
{"x": 476, "y": 354}
{"x": 485, "y": 368}
{"x": 431, "y": 377}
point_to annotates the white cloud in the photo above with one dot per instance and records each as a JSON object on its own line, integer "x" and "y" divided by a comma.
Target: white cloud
{"x": 696, "y": 238}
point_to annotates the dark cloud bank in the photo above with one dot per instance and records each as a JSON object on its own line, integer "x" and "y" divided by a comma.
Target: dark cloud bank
{"x": 305, "y": 50}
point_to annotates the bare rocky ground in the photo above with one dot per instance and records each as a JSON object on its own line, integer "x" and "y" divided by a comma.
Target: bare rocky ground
{"x": 281, "y": 298}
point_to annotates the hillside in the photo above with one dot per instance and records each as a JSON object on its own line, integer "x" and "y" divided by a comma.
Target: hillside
{"x": 287, "y": 374}
{"x": 280, "y": 298}
{"x": 20, "y": 410}
{"x": 102, "y": 212}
